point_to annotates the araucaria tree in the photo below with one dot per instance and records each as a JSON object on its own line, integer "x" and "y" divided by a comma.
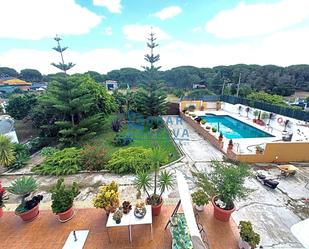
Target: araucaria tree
{"x": 61, "y": 65}
{"x": 151, "y": 99}
{"x": 73, "y": 108}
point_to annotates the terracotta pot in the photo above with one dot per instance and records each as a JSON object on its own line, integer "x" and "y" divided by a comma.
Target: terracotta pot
{"x": 254, "y": 120}
{"x": 66, "y": 215}
{"x": 1, "y": 212}
{"x": 29, "y": 215}
{"x": 199, "y": 208}
{"x": 221, "y": 214}
{"x": 243, "y": 244}
{"x": 156, "y": 209}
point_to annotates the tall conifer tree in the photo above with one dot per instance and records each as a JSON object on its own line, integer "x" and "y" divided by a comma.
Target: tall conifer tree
{"x": 151, "y": 98}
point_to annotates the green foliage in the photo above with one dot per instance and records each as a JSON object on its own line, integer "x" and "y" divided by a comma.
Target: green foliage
{"x": 197, "y": 93}
{"x": 35, "y": 144}
{"x": 93, "y": 158}
{"x": 48, "y": 151}
{"x": 203, "y": 122}
{"x": 73, "y": 108}
{"x": 130, "y": 160}
{"x": 191, "y": 108}
{"x": 163, "y": 181}
{"x": 214, "y": 129}
{"x": 248, "y": 235}
{"x": 21, "y": 105}
{"x": 151, "y": 97}
{"x": 62, "y": 196}
{"x": 31, "y": 75}
{"x": 200, "y": 198}
{"x": 63, "y": 162}
{"x": 7, "y": 155}
{"x": 226, "y": 181}
{"x": 23, "y": 186}
{"x": 267, "y": 98}
{"x": 21, "y": 156}
{"x": 121, "y": 140}
{"x": 7, "y": 71}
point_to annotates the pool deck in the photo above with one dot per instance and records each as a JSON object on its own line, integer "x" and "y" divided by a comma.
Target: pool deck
{"x": 242, "y": 144}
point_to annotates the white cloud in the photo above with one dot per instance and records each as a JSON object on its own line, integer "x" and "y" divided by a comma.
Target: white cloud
{"x": 136, "y": 32}
{"x": 168, "y": 12}
{"x": 282, "y": 48}
{"x": 37, "y": 19}
{"x": 197, "y": 29}
{"x": 113, "y": 6}
{"x": 108, "y": 31}
{"x": 248, "y": 20}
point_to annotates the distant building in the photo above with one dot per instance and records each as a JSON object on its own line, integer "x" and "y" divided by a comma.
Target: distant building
{"x": 199, "y": 86}
{"x": 9, "y": 84}
{"x": 111, "y": 85}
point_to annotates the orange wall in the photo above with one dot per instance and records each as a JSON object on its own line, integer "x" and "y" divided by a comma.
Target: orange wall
{"x": 285, "y": 151}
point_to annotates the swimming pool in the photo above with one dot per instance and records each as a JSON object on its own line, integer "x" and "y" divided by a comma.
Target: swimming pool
{"x": 232, "y": 128}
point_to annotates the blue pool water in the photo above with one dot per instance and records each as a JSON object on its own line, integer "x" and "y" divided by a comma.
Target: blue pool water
{"x": 232, "y": 128}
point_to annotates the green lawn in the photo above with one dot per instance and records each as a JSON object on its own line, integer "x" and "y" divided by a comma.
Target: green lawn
{"x": 141, "y": 137}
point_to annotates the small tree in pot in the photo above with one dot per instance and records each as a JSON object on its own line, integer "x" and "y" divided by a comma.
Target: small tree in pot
{"x": 28, "y": 210}
{"x": 162, "y": 181}
{"x": 224, "y": 184}
{"x": 62, "y": 200}
{"x": 199, "y": 198}
{"x": 248, "y": 238}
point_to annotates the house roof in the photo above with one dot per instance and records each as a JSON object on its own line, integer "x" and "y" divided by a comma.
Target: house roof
{"x": 14, "y": 82}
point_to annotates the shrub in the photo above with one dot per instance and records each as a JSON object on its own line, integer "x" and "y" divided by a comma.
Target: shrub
{"x": 93, "y": 158}
{"x": 6, "y": 151}
{"x": 122, "y": 140}
{"x": 193, "y": 115}
{"x": 214, "y": 129}
{"x": 63, "y": 162}
{"x": 48, "y": 151}
{"x": 107, "y": 197}
{"x": 203, "y": 122}
{"x": 191, "y": 108}
{"x": 116, "y": 125}
{"x": 226, "y": 181}
{"x": 62, "y": 196}
{"x": 21, "y": 156}
{"x": 23, "y": 187}
{"x": 37, "y": 143}
{"x": 247, "y": 234}
{"x": 199, "y": 198}
{"x": 130, "y": 160}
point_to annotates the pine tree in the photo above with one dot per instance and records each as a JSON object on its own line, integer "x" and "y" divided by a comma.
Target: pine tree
{"x": 76, "y": 108}
{"x": 151, "y": 98}
{"x": 61, "y": 65}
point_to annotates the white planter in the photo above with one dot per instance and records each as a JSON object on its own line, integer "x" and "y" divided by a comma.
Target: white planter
{"x": 243, "y": 244}
{"x": 199, "y": 208}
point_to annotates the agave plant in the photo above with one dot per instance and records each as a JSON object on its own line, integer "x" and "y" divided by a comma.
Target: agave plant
{"x": 6, "y": 151}
{"x": 23, "y": 187}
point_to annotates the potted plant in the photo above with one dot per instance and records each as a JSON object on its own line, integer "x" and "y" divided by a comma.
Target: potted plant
{"x": 247, "y": 111}
{"x": 62, "y": 200}
{"x": 117, "y": 216}
{"x": 255, "y": 113}
{"x": 258, "y": 149}
{"x": 28, "y": 210}
{"x": 191, "y": 108}
{"x": 161, "y": 182}
{"x": 3, "y": 198}
{"x": 208, "y": 128}
{"x": 203, "y": 122}
{"x": 230, "y": 145}
{"x": 199, "y": 198}
{"x": 221, "y": 137}
{"x": 126, "y": 207}
{"x": 107, "y": 197}
{"x": 248, "y": 238}
{"x": 239, "y": 110}
{"x": 214, "y": 129}
{"x": 224, "y": 184}
{"x": 218, "y": 105}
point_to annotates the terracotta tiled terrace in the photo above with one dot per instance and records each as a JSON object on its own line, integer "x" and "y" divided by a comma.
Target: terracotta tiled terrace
{"x": 46, "y": 232}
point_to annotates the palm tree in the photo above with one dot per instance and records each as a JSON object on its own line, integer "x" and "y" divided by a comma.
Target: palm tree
{"x": 6, "y": 151}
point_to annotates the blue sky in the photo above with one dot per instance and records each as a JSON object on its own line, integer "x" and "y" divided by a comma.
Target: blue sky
{"x": 109, "y": 34}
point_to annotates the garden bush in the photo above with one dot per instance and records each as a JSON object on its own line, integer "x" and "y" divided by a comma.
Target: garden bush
{"x": 130, "y": 160}
{"x": 116, "y": 125}
{"x": 48, "y": 151}
{"x": 21, "y": 153}
{"x": 93, "y": 158}
{"x": 63, "y": 162}
{"x": 122, "y": 140}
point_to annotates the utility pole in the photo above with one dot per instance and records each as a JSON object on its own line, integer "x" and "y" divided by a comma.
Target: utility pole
{"x": 238, "y": 84}
{"x": 222, "y": 91}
